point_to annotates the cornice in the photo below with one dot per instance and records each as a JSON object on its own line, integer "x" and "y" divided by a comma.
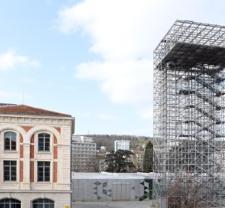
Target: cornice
{"x": 35, "y": 120}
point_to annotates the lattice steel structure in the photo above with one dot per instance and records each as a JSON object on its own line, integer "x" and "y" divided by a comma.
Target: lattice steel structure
{"x": 189, "y": 92}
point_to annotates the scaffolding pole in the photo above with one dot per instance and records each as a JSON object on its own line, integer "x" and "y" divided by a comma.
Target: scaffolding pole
{"x": 189, "y": 106}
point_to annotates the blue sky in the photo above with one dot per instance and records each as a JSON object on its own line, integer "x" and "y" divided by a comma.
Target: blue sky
{"x": 90, "y": 58}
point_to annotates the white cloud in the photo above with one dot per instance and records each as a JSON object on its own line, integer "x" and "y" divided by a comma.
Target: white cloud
{"x": 120, "y": 35}
{"x": 118, "y": 27}
{"x": 124, "y": 34}
{"x": 10, "y": 60}
{"x": 128, "y": 81}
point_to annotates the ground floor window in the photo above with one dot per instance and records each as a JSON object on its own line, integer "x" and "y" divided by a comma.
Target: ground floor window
{"x": 43, "y": 203}
{"x": 10, "y": 203}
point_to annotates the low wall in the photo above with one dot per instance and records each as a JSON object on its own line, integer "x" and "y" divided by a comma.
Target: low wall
{"x": 111, "y": 188}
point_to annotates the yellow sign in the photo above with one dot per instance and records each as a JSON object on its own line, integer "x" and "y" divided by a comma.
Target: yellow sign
{"x": 66, "y": 206}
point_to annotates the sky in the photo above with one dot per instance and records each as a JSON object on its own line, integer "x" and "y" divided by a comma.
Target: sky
{"x": 90, "y": 58}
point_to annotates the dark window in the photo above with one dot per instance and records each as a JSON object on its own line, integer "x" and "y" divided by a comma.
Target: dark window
{"x": 10, "y": 203}
{"x": 10, "y": 140}
{"x": 43, "y": 203}
{"x": 9, "y": 170}
{"x": 43, "y": 171}
{"x": 43, "y": 142}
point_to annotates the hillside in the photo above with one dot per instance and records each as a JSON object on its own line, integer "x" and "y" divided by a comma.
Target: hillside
{"x": 108, "y": 140}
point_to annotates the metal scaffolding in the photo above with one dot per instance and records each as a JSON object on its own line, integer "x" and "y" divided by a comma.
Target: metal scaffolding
{"x": 189, "y": 106}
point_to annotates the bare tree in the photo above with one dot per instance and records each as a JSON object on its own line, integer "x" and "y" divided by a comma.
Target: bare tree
{"x": 186, "y": 193}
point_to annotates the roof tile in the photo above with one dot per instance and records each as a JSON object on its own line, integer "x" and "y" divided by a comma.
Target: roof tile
{"x": 28, "y": 110}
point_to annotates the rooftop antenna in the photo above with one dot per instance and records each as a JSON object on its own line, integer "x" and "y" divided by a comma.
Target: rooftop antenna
{"x": 22, "y": 98}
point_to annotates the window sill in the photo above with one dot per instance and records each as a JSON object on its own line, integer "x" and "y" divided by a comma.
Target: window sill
{"x": 44, "y": 152}
{"x": 11, "y": 151}
{"x": 44, "y": 182}
{"x": 10, "y": 182}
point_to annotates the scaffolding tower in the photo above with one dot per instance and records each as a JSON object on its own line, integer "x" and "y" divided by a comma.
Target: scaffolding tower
{"x": 189, "y": 106}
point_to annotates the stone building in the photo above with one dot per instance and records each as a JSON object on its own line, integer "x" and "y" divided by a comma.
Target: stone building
{"x": 35, "y": 149}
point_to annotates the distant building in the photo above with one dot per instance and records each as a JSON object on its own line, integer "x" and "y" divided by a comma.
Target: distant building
{"x": 102, "y": 149}
{"x": 83, "y": 139}
{"x": 100, "y": 159}
{"x": 35, "y": 147}
{"x": 121, "y": 145}
{"x": 100, "y": 162}
{"x": 83, "y": 154}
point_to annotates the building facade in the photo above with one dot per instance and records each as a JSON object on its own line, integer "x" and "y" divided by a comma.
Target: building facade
{"x": 121, "y": 145}
{"x": 100, "y": 160}
{"x": 83, "y": 154}
{"x": 35, "y": 149}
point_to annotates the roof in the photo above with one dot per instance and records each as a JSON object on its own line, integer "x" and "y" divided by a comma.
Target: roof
{"x": 28, "y": 110}
{"x": 185, "y": 54}
{"x": 5, "y": 104}
{"x": 116, "y": 176}
{"x": 186, "y": 37}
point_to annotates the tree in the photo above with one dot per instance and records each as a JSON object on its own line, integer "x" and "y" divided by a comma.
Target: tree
{"x": 192, "y": 191}
{"x": 184, "y": 193}
{"x": 120, "y": 162}
{"x": 148, "y": 158}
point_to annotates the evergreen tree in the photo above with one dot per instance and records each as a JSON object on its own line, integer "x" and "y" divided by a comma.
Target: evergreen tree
{"x": 148, "y": 158}
{"x": 119, "y": 162}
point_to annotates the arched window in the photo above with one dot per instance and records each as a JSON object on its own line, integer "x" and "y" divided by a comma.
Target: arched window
{"x": 10, "y": 141}
{"x": 44, "y": 142}
{"x": 10, "y": 203}
{"x": 43, "y": 203}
